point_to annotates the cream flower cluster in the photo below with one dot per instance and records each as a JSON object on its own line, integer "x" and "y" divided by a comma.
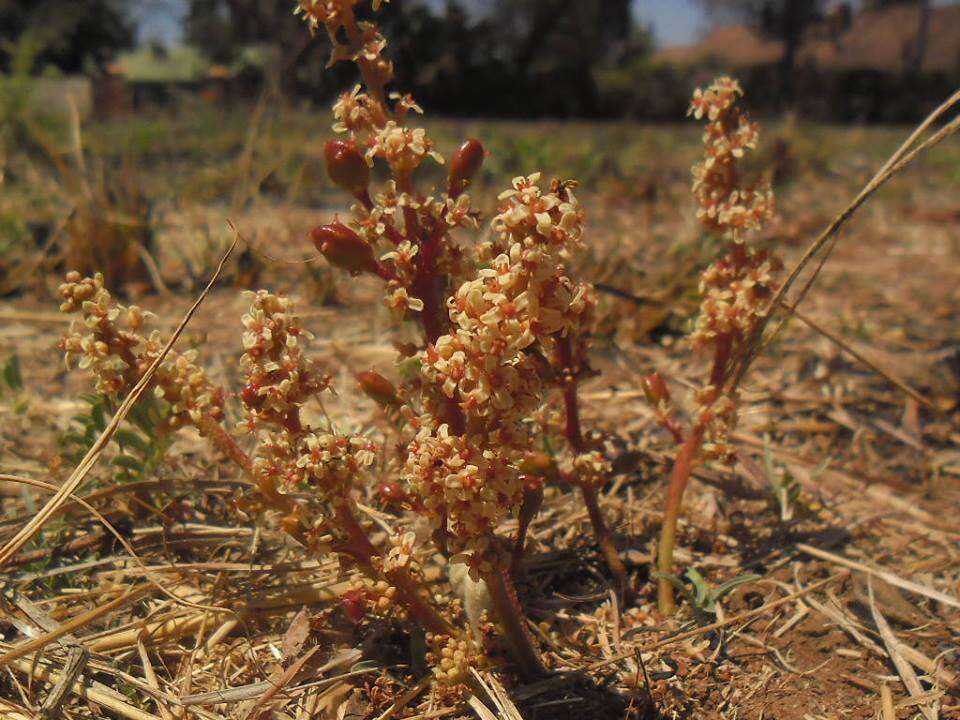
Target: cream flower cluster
{"x": 468, "y": 489}
{"x": 735, "y": 288}
{"x": 591, "y": 468}
{"x": 108, "y": 341}
{"x": 280, "y": 377}
{"x": 330, "y": 463}
{"x": 523, "y": 297}
{"x": 327, "y": 12}
{"x": 354, "y": 113}
{"x": 182, "y": 383}
{"x": 454, "y": 656}
{"x": 98, "y": 342}
{"x": 725, "y": 206}
{"x": 490, "y": 363}
{"x": 403, "y": 148}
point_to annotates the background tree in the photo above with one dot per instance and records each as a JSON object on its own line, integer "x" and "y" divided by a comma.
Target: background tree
{"x": 556, "y": 46}
{"x": 71, "y": 36}
{"x": 784, "y": 20}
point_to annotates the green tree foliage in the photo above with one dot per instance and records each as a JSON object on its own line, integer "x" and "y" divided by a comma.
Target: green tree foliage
{"x": 492, "y": 56}
{"x": 72, "y": 35}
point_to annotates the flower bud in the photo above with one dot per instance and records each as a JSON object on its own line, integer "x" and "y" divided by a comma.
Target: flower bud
{"x": 353, "y": 603}
{"x": 346, "y": 166}
{"x": 250, "y": 395}
{"x": 464, "y": 164}
{"x": 343, "y": 248}
{"x": 538, "y": 464}
{"x": 392, "y": 493}
{"x": 376, "y": 387}
{"x": 655, "y": 389}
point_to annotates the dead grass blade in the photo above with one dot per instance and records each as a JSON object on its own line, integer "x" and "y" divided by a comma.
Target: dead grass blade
{"x": 83, "y": 688}
{"x": 506, "y": 710}
{"x": 78, "y": 622}
{"x": 117, "y": 535}
{"x": 904, "y": 669}
{"x": 895, "y": 164}
{"x": 52, "y": 705}
{"x": 93, "y": 454}
{"x": 847, "y": 348}
{"x": 704, "y": 629}
{"x": 281, "y": 682}
{"x": 401, "y": 702}
{"x": 884, "y": 575}
{"x": 886, "y": 703}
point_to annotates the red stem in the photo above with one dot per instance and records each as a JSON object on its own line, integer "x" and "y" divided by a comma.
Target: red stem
{"x": 532, "y": 500}
{"x": 679, "y": 477}
{"x": 224, "y": 442}
{"x": 574, "y": 435}
{"x": 513, "y": 623}
{"x": 359, "y": 547}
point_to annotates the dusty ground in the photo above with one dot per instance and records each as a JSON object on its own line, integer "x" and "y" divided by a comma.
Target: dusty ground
{"x": 873, "y": 541}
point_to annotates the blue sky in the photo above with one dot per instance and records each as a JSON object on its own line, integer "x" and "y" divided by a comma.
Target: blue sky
{"x": 673, "y": 21}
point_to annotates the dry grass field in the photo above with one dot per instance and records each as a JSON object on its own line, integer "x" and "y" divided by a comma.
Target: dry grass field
{"x": 844, "y": 499}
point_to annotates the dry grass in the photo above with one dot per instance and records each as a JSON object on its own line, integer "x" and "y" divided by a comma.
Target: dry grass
{"x": 856, "y": 614}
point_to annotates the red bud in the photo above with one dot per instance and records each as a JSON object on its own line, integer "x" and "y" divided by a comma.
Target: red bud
{"x": 250, "y": 395}
{"x": 464, "y": 164}
{"x": 378, "y": 388}
{"x": 346, "y": 166}
{"x": 655, "y": 389}
{"x": 343, "y": 248}
{"x": 392, "y": 493}
{"x": 354, "y": 605}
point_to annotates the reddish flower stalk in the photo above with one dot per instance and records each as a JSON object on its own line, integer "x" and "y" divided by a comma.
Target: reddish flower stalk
{"x": 588, "y": 490}
{"x": 214, "y": 431}
{"x": 513, "y": 623}
{"x": 679, "y": 477}
{"x": 532, "y": 500}
{"x": 365, "y": 553}
{"x": 734, "y": 291}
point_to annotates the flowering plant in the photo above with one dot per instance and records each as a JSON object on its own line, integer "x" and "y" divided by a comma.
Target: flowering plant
{"x": 505, "y": 336}
{"x": 505, "y": 332}
{"x": 735, "y": 290}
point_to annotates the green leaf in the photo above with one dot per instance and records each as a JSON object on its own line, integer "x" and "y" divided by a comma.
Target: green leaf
{"x": 11, "y": 373}
{"x": 702, "y": 596}
{"x": 128, "y": 462}
{"x": 126, "y": 437}
{"x": 731, "y": 585}
{"x": 99, "y": 416}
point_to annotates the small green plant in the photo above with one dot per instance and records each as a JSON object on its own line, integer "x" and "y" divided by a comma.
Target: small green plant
{"x": 703, "y": 598}
{"x": 784, "y": 486}
{"x": 141, "y": 446}
{"x": 11, "y": 383}
{"x": 12, "y": 379}
{"x": 788, "y": 494}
